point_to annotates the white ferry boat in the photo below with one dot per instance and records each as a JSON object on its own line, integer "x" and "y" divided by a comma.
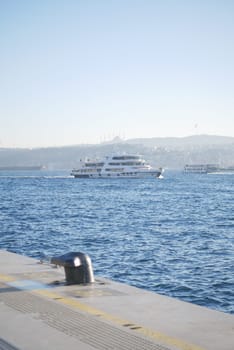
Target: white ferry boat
{"x": 199, "y": 168}
{"x": 116, "y": 166}
{"x": 208, "y": 169}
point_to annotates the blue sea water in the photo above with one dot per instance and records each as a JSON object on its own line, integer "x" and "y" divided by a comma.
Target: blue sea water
{"x": 173, "y": 236}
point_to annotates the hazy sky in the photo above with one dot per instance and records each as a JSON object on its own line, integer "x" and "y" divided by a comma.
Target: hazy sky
{"x": 84, "y": 71}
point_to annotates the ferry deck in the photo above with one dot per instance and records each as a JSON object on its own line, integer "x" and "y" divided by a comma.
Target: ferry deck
{"x": 40, "y": 311}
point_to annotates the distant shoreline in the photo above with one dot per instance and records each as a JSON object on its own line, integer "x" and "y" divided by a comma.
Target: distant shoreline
{"x": 14, "y": 168}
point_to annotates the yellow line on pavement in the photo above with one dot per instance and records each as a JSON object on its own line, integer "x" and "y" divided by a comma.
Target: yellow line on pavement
{"x": 5, "y": 278}
{"x": 157, "y": 336}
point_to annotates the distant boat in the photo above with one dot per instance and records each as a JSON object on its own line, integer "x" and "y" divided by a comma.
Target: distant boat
{"x": 116, "y": 166}
{"x": 207, "y": 169}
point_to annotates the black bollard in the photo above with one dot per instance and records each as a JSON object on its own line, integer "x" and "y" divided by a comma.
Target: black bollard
{"x": 77, "y": 266}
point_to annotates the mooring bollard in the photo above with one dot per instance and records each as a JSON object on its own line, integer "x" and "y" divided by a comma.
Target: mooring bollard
{"x": 77, "y": 266}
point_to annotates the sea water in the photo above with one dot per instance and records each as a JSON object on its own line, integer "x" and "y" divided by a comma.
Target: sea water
{"x": 173, "y": 236}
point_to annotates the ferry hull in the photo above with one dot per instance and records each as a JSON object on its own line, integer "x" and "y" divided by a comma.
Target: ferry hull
{"x": 117, "y": 176}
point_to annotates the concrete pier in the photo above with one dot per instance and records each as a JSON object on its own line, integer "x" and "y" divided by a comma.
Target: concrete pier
{"x": 39, "y": 311}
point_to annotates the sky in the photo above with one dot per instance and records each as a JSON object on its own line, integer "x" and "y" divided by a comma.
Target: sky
{"x": 85, "y": 71}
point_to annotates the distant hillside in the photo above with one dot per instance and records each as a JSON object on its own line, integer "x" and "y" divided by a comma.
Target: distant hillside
{"x": 195, "y": 140}
{"x": 167, "y": 152}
